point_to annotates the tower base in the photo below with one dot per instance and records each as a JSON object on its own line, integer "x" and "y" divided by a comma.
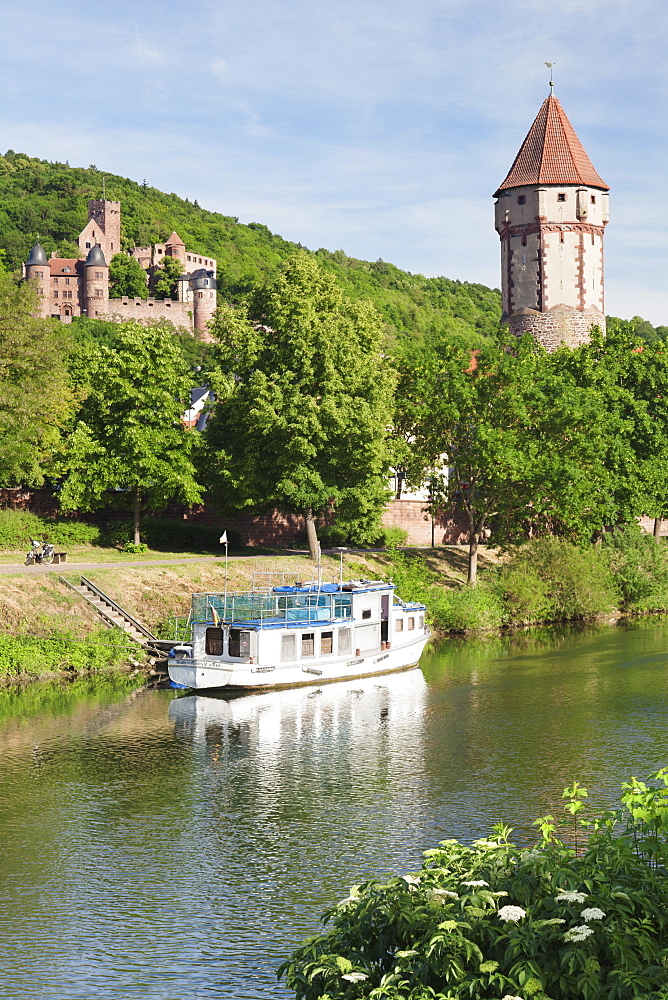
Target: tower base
{"x": 559, "y": 325}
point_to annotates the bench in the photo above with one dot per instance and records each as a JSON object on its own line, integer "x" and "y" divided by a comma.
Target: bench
{"x": 60, "y": 557}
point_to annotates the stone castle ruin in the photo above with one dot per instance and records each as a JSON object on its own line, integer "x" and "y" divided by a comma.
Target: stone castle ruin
{"x": 70, "y": 287}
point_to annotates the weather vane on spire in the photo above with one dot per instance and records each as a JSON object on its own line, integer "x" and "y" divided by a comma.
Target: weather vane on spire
{"x": 550, "y": 66}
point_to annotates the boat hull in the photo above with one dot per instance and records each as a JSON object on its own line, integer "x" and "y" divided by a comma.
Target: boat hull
{"x": 198, "y": 675}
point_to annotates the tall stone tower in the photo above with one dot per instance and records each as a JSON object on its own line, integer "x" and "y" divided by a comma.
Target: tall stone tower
{"x": 37, "y": 269}
{"x": 96, "y": 283}
{"x": 550, "y": 214}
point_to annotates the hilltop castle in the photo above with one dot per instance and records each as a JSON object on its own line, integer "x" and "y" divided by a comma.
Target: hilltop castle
{"x": 551, "y": 212}
{"x": 80, "y": 286}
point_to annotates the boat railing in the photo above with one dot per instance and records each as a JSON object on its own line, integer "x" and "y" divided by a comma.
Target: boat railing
{"x": 179, "y": 628}
{"x": 270, "y": 608}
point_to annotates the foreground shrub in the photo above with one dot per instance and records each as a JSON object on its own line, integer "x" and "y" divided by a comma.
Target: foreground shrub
{"x": 571, "y": 582}
{"x": 498, "y": 921}
{"x": 639, "y": 566}
{"x": 465, "y": 609}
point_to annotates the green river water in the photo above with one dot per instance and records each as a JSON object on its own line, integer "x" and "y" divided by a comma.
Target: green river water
{"x": 177, "y": 848}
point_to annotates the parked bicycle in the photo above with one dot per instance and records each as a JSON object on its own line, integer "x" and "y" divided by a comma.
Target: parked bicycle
{"x": 39, "y": 553}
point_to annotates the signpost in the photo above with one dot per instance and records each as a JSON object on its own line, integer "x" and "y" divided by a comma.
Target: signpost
{"x": 223, "y": 541}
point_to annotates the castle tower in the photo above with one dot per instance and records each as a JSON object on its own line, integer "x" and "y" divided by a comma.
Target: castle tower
{"x": 103, "y": 227}
{"x": 37, "y": 268}
{"x": 95, "y": 283}
{"x": 175, "y": 247}
{"x": 203, "y": 290}
{"x": 550, "y": 214}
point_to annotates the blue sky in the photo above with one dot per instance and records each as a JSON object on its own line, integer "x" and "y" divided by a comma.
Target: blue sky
{"x": 379, "y": 128}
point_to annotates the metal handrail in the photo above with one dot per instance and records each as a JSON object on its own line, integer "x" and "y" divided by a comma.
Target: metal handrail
{"x": 121, "y": 611}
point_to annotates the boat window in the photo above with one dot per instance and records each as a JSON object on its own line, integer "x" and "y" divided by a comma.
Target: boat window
{"x": 239, "y": 644}
{"x": 326, "y": 640}
{"x": 421, "y": 621}
{"x": 344, "y": 640}
{"x": 308, "y": 644}
{"x": 214, "y": 642}
{"x": 411, "y": 624}
{"x": 399, "y": 625}
{"x": 288, "y": 647}
{"x": 366, "y": 613}
{"x": 342, "y": 605}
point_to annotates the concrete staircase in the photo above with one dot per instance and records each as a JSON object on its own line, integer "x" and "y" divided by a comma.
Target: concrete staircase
{"x": 113, "y": 614}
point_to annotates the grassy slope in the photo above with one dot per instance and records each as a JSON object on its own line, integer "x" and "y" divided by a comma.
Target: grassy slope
{"x": 47, "y": 201}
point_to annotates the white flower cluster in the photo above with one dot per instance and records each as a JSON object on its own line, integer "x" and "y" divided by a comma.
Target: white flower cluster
{"x": 486, "y": 845}
{"x": 411, "y": 879}
{"x": 352, "y": 898}
{"x": 511, "y": 913}
{"x": 476, "y": 883}
{"x": 592, "y": 913}
{"x": 509, "y": 996}
{"x": 354, "y": 977}
{"x": 445, "y": 893}
{"x": 578, "y": 933}
{"x": 568, "y": 896}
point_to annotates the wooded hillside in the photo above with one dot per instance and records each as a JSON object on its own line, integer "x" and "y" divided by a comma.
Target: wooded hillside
{"x": 47, "y": 202}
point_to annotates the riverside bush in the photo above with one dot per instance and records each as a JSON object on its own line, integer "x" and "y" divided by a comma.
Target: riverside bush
{"x": 639, "y": 566}
{"x": 570, "y": 582}
{"x": 20, "y": 655}
{"x": 495, "y": 920}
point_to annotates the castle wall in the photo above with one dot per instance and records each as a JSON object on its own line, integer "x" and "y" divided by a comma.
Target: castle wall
{"x": 120, "y": 310}
{"x": 559, "y": 325}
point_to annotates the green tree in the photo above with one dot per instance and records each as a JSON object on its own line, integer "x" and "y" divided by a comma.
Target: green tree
{"x": 303, "y": 427}
{"x": 128, "y": 434}
{"x": 521, "y": 441}
{"x": 165, "y": 279}
{"x": 126, "y": 277}
{"x": 36, "y": 398}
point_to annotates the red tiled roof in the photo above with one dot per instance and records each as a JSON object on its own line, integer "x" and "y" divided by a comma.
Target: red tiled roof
{"x": 174, "y": 240}
{"x": 56, "y": 265}
{"x": 552, "y": 153}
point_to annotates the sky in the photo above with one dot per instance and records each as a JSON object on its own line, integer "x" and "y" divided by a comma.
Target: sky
{"x": 379, "y": 127}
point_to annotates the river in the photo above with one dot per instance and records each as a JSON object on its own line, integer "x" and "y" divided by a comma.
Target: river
{"x": 178, "y": 848}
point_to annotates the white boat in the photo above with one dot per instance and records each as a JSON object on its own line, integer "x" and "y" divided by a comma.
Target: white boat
{"x": 298, "y": 634}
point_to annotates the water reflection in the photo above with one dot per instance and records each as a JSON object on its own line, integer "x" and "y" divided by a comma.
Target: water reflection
{"x": 164, "y": 848}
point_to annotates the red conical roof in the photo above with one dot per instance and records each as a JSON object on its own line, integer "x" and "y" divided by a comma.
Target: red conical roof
{"x": 552, "y": 153}
{"x": 174, "y": 241}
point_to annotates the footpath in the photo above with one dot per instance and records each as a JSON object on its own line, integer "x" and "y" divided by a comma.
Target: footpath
{"x": 8, "y": 569}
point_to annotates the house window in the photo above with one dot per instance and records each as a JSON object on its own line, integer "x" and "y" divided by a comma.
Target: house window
{"x": 521, "y": 199}
{"x": 399, "y": 625}
{"x": 326, "y": 643}
{"x": 214, "y": 642}
{"x": 561, "y": 197}
{"x": 344, "y": 640}
{"x": 411, "y": 624}
{"x": 366, "y": 613}
{"x": 288, "y": 647}
{"x": 308, "y": 644}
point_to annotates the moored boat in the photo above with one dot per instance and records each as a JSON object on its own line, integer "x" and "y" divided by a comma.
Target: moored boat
{"x": 298, "y": 634}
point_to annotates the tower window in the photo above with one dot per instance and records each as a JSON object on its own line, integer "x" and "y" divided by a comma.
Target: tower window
{"x": 521, "y": 199}
{"x": 88, "y": 246}
{"x": 561, "y": 197}
{"x": 593, "y": 199}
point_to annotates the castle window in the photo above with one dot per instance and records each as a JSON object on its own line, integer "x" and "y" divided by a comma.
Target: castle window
{"x": 55, "y": 295}
{"x": 67, "y": 280}
{"x": 98, "y": 293}
{"x": 593, "y": 199}
{"x": 200, "y": 295}
{"x": 38, "y": 274}
{"x": 98, "y": 274}
{"x": 88, "y": 246}
{"x": 112, "y": 246}
{"x": 561, "y": 197}
{"x": 189, "y": 257}
{"x": 521, "y": 199}
{"x": 93, "y": 234}
{"x": 55, "y": 281}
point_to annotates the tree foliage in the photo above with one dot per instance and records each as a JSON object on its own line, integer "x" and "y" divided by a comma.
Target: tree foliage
{"x": 128, "y": 434}
{"x": 36, "y": 397}
{"x": 165, "y": 280}
{"x": 304, "y": 427}
{"x": 127, "y": 277}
